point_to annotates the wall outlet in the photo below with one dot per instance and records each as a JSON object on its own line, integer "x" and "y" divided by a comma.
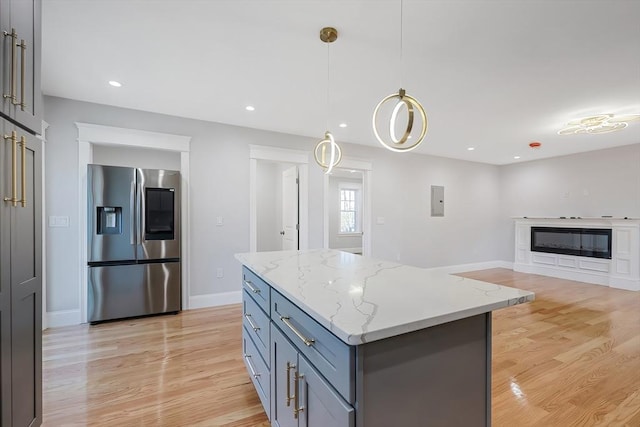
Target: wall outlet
{"x": 58, "y": 221}
{"x": 219, "y": 221}
{"x": 219, "y": 273}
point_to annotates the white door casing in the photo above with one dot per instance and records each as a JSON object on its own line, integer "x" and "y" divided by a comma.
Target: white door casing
{"x": 290, "y": 209}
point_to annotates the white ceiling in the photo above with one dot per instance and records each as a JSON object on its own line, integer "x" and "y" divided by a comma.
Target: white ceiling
{"x": 494, "y": 75}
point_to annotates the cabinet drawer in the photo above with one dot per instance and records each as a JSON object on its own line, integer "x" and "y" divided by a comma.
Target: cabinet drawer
{"x": 334, "y": 359}
{"x": 258, "y": 371}
{"x": 257, "y": 324}
{"x": 257, "y": 288}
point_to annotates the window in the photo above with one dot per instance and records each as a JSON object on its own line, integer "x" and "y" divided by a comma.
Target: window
{"x": 349, "y": 210}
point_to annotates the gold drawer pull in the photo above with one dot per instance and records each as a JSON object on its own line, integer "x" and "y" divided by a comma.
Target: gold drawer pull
{"x": 14, "y": 172}
{"x": 253, "y": 326}
{"x": 252, "y": 288}
{"x": 296, "y": 402}
{"x": 307, "y": 341}
{"x": 254, "y": 374}
{"x": 12, "y": 94}
{"x": 290, "y": 366}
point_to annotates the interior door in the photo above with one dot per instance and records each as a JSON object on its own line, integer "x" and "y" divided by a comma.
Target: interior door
{"x": 290, "y": 226}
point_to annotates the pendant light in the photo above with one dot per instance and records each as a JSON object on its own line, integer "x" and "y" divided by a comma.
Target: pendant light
{"x": 406, "y": 102}
{"x": 328, "y": 161}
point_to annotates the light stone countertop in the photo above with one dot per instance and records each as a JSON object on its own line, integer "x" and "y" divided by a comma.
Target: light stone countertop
{"x": 360, "y": 299}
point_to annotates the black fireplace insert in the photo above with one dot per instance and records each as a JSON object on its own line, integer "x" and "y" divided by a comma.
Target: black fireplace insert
{"x": 587, "y": 242}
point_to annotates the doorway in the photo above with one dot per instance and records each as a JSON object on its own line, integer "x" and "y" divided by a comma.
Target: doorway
{"x": 347, "y": 207}
{"x": 268, "y": 166}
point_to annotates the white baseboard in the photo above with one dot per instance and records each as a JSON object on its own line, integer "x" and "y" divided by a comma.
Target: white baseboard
{"x": 214, "y": 300}
{"x": 461, "y": 268}
{"x": 59, "y": 318}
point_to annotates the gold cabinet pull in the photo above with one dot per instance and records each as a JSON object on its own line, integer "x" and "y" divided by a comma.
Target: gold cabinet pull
{"x": 23, "y": 64}
{"x": 12, "y": 94}
{"x": 23, "y": 143}
{"x": 14, "y": 177}
{"x": 290, "y": 366}
{"x": 307, "y": 341}
{"x": 296, "y": 402}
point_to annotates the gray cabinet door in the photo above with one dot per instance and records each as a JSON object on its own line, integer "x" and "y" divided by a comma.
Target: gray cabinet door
{"x": 284, "y": 359}
{"x": 321, "y": 405}
{"x": 5, "y": 278}
{"x": 21, "y": 282}
{"x": 23, "y": 61}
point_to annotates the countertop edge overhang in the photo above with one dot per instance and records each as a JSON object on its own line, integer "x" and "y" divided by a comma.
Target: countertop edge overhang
{"x": 361, "y": 299}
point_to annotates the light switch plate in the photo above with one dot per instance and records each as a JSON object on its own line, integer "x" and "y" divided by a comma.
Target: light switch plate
{"x": 58, "y": 221}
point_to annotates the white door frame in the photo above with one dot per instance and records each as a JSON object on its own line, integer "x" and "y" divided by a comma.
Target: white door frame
{"x": 366, "y": 167}
{"x": 89, "y": 134}
{"x": 299, "y": 158}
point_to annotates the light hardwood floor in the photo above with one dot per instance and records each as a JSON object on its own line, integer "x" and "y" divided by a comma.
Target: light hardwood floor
{"x": 571, "y": 358}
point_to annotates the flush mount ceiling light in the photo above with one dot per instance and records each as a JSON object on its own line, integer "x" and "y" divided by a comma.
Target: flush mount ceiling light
{"x": 250, "y": 108}
{"x": 404, "y": 105}
{"x": 601, "y": 123}
{"x": 327, "y": 152}
{"x": 115, "y": 83}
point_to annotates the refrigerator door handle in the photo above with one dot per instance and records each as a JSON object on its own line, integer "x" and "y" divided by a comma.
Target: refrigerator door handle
{"x": 132, "y": 218}
{"x": 140, "y": 214}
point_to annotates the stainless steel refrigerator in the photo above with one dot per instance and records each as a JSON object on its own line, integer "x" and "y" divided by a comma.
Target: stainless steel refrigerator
{"x": 133, "y": 242}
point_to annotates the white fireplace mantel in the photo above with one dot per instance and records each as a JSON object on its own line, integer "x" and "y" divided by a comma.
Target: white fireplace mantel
{"x": 621, "y": 271}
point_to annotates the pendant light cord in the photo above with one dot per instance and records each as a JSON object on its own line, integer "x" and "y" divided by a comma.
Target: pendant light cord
{"x": 328, "y": 83}
{"x": 401, "y": 64}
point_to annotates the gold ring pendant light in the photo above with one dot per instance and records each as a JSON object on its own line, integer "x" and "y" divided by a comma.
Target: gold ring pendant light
{"x": 402, "y": 101}
{"x": 327, "y": 152}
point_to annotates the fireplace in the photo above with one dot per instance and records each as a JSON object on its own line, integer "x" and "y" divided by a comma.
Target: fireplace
{"x": 586, "y": 242}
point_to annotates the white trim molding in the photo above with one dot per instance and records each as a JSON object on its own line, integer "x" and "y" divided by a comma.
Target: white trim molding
{"x": 59, "y": 318}
{"x": 89, "y": 134}
{"x": 215, "y": 300}
{"x": 280, "y": 155}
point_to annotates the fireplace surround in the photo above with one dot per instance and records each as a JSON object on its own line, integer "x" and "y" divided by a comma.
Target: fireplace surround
{"x": 604, "y": 251}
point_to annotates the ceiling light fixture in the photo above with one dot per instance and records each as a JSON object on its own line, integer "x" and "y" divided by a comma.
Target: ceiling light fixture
{"x": 403, "y": 102}
{"x": 250, "y": 108}
{"x": 343, "y": 125}
{"x": 115, "y": 83}
{"x": 471, "y": 148}
{"x": 516, "y": 157}
{"x": 601, "y": 123}
{"x": 328, "y": 35}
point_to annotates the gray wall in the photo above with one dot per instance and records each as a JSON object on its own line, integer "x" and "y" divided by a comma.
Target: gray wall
{"x": 471, "y": 231}
{"x": 480, "y": 200}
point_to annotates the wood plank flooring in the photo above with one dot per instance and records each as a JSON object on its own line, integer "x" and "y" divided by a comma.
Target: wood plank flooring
{"x": 571, "y": 358}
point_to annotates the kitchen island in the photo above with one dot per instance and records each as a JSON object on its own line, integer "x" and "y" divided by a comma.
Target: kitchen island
{"x": 336, "y": 339}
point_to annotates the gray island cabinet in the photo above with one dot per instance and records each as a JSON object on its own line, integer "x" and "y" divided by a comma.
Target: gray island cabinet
{"x": 336, "y": 339}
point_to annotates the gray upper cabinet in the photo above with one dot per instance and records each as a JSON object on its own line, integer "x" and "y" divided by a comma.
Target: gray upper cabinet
{"x": 20, "y": 68}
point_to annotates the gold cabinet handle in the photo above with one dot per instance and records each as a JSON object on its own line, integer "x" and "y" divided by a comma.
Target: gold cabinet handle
{"x": 296, "y": 403}
{"x": 254, "y": 374}
{"x": 252, "y": 288}
{"x": 14, "y": 37}
{"x": 23, "y": 143}
{"x": 290, "y": 366}
{"x": 307, "y": 341}
{"x": 253, "y": 325}
{"x": 14, "y": 177}
{"x": 23, "y": 64}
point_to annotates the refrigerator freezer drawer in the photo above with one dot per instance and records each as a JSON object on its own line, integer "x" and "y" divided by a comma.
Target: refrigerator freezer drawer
{"x": 120, "y": 291}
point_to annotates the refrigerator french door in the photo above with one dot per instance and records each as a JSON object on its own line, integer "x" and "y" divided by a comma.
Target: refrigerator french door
{"x": 133, "y": 242}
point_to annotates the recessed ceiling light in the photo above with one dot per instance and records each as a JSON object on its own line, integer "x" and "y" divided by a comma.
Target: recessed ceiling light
{"x": 471, "y": 148}
{"x": 516, "y": 157}
{"x": 343, "y": 125}
{"x": 250, "y": 108}
{"x": 115, "y": 83}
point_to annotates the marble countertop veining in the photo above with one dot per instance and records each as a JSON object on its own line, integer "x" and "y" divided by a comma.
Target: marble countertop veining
{"x": 361, "y": 299}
